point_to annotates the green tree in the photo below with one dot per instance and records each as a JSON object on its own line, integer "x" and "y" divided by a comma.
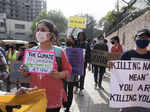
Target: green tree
{"x": 55, "y": 16}
{"x": 148, "y": 2}
{"x": 90, "y": 27}
{"x": 108, "y": 20}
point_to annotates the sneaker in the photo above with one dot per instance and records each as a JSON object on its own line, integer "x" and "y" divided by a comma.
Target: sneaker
{"x": 95, "y": 85}
{"x": 100, "y": 87}
{"x": 81, "y": 93}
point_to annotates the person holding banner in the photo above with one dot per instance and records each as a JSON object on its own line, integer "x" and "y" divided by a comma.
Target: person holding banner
{"x": 142, "y": 40}
{"x": 81, "y": 38}
{"x": 53, "y": 81}
{"x": 99, "y": 70}
{"x": 69, "y": 84}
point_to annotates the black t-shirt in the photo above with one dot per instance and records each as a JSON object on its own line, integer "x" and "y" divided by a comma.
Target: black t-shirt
{"x": 85, "y": 46}
{"x": 102, "y": 47}
{"x": 133, "y": 55}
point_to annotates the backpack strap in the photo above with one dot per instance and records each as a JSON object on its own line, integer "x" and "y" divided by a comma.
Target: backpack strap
{"x": 58, "y": 51}
{"x": 35, "y": 48}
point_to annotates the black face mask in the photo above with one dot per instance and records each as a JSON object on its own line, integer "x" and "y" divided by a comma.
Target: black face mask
{"x": 112, "y": 42}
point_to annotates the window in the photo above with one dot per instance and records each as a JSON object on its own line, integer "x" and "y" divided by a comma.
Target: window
{"x": 17, "y": 33}
{"x": 19, "y": 26}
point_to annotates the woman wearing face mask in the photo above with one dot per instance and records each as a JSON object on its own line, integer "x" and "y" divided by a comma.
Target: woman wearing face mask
{"x": 116, "y": 46}
{"x": 52, "y": 82}
{"x": 142, "y": 40}
{"x": 80, "y": 43}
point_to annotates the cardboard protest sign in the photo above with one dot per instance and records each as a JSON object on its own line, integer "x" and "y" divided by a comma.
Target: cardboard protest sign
{"x": 101, "y": 58}
{"x": 77, "y": 22}
{"x": 130, "y": 84}
{"x": 39, "y": 61}
{"x": 75, "y": 57}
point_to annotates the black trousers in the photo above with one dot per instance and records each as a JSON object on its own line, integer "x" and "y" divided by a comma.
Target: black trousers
{"x": 53, "y": 110}
{"x": 98, "y": 74}
{"x": 68, "y": 86}
{"x": 82, "y": 77}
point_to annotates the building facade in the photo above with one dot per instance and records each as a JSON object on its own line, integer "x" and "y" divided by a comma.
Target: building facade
{"x": 18, "y": 29}
{"x": 16, "y": 17}
{"x": 26, "y": 10}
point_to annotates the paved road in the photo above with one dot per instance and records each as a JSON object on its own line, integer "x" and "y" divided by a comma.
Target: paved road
{"x": 94, "y": 100}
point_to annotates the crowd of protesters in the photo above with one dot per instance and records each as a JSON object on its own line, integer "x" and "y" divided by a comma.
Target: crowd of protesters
{"x": 65, "y": 83}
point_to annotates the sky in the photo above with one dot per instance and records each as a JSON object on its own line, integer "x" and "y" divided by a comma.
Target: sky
{"x": 95, "y": 8}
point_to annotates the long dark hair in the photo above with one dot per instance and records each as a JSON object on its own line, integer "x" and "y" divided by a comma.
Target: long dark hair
{"x": 82, "y": 33}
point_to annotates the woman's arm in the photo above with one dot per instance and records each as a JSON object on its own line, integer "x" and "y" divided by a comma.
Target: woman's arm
{"x": 23, "y": 72}
{"x": 66, "y": 68}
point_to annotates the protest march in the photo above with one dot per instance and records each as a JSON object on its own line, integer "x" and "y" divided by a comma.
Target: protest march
{"x": 74, "y": 56}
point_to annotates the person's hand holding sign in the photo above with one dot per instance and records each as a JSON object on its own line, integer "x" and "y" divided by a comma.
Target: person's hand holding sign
{"x": 59, "y": 75}
{"x": 23, "y": 71}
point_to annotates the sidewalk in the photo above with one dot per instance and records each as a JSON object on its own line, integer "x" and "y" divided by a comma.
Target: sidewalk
{"x": 94, "y": 100}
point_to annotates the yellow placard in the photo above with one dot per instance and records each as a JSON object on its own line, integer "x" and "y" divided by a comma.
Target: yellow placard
{"x": 77, "y": 22}
{"x": 34, "y": 101}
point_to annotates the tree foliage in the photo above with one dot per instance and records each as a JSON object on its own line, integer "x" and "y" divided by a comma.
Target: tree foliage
{"x": 108, "y": 20}
{"x": 114, "y": 20}
{"x": 91, "y": 28}
{"x": 148, "y": 2}
{"x": 55, "y": 16}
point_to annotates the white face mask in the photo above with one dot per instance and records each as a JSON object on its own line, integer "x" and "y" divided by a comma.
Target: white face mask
{"x": 41, "y": 36}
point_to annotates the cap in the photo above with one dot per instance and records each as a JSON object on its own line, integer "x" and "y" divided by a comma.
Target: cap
{"x": 143, "y": 32}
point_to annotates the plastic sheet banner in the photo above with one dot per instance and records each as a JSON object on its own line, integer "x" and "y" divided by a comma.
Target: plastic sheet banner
{"x": 77, "y": 22}
{"x": 75, "y": 57}
{"x": 34, "y": 101}
{"x": 130, "y": 84}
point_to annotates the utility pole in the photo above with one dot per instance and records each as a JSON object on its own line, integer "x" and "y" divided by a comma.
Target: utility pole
{"x": 117, "y": 6}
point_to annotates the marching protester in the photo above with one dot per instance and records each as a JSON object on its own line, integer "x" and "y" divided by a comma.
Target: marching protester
{"x": 98, "y": 69}
{"x": 81, "y": 38}
{"x": 116, "y": 46}
{"x": 142, "y": 40}
{"x": 69, "y": 84}
{"x": 80, "y": 42}
{"x": 3, "y": 67}
{"x": 52, "y": 82}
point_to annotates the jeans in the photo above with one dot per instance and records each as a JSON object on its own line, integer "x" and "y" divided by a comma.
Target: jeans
{"x": 98, "y": 74}
{"x": 82, "y": 77}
